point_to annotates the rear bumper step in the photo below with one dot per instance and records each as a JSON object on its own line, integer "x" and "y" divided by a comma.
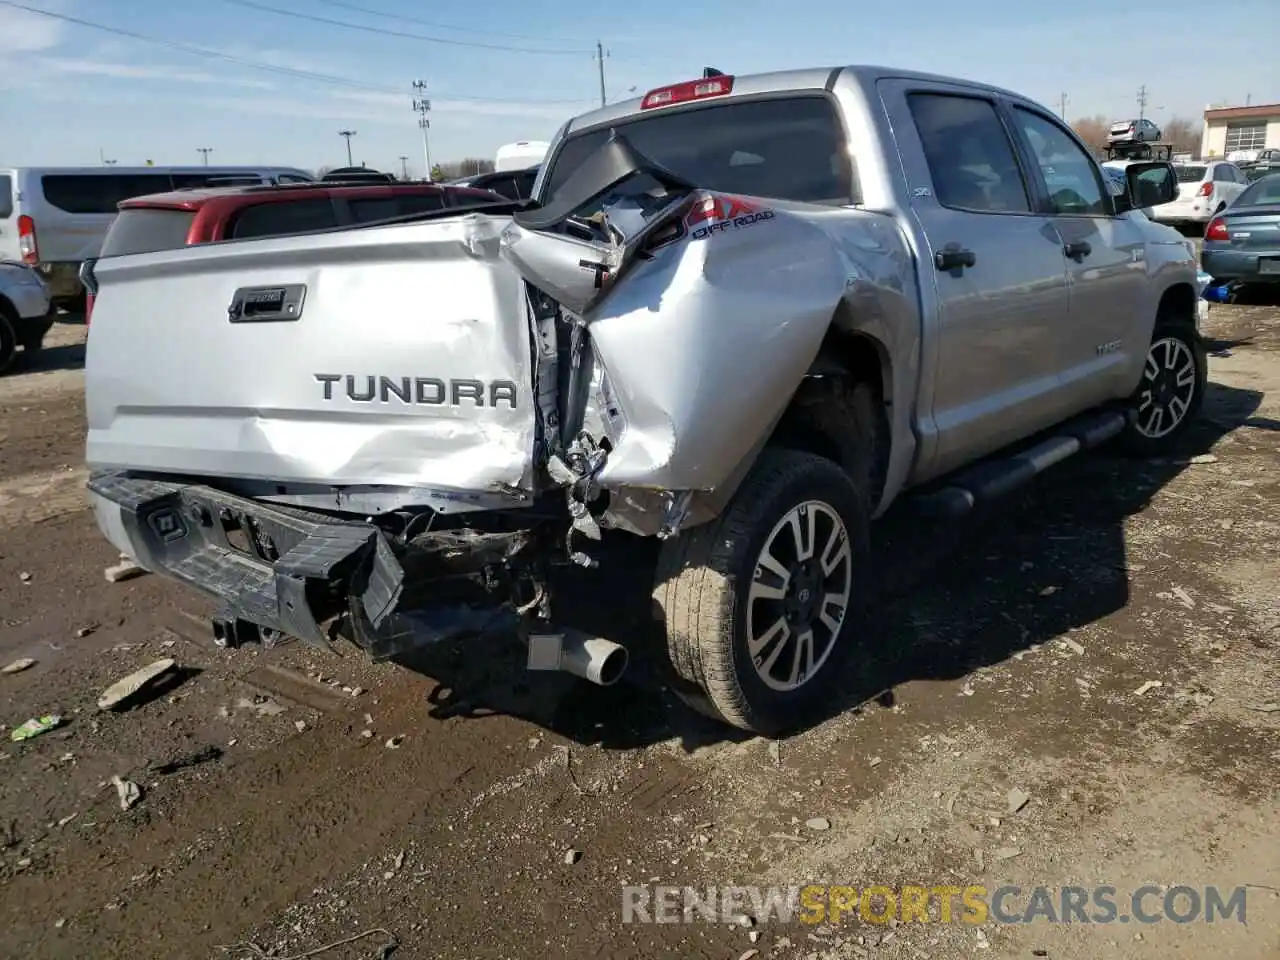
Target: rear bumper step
{"x": 276, "y": 568}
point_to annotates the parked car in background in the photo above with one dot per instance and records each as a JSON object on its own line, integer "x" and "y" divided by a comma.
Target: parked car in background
{"x": 711, "y": 327}
{"x": 521, "y": 155}
{"x": 357, "y": 175}
{"x": 1242, "y": 243}
{"x": 1133, "y": 131}
{"x": 26, "y": 310}
{"x": 512, "y": 184}
{"x": 53, "y": 218}
{"x": 1204, "y": 189}
{"x": 165, "y": 221}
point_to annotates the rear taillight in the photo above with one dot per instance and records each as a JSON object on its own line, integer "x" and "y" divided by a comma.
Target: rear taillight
{"x": 1206, "y": 189}
{"x": 1217, "y": 230}
{"x": 90, "y": 284}
{"x": 27, "y": 244}
{"x": 685, "y": 92}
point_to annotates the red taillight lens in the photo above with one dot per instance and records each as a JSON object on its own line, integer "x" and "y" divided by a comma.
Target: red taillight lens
{"x": 1206, "y": 189}
{"x": 90, "y": 284}
{"x": 1217, "y": 230}
{"x": 27, "y": 244}
{"x": 685, "y": 92}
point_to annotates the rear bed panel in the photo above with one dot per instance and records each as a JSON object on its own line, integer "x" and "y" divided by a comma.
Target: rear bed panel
{"x": 410, "y": 363}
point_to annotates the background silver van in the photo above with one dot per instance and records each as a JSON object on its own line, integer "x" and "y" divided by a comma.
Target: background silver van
{"x": 53, "y": 218}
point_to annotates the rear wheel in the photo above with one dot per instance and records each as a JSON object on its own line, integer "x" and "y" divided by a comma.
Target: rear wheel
{"x": 762, "y": 606}
{"x": 1171, "y": 392}
{"x": 8, "y": 338}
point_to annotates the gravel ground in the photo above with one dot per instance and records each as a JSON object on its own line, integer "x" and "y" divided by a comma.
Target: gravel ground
{"x": 459, "y": 807}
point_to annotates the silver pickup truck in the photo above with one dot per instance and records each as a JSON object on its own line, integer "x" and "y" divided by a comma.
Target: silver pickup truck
{"x": 741, "y": 314}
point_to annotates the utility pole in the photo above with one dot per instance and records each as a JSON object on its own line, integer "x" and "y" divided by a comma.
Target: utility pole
{"x": 204, "y": 152}
{"x": 404, "y": 167}
{"x": 103, "y": 157}
{"x": 348, "y": 134}
{"x": 1142, "y": 102}
{"x": 422, "y": 107}
{"x": 1062, "y": 106}
{"x": 601, "y": 53}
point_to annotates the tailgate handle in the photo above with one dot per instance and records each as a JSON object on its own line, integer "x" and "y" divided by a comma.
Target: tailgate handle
{"x": 267, "y": 304}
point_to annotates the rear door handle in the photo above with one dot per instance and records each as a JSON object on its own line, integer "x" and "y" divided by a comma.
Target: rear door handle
{"x": 1077, "y": 251}
{"x": 954, "y": 257}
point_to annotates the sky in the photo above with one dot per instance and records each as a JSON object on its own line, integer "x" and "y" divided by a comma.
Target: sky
{"x": 506, "y": 70}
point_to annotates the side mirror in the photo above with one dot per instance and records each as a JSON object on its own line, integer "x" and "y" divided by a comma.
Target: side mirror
{"x": 1149, "y": 183}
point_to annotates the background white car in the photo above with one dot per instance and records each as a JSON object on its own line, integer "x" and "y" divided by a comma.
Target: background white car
{"x": 26, "y": 310}
{"x": 1204, "y": 188}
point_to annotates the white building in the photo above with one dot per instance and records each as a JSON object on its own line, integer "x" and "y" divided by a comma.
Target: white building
{"x": 1228, "y": 130}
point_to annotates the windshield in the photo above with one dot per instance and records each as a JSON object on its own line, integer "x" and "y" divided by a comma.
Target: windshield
{"x": 1190, "y": 174}
{"x": 789, "y": 148}
{"x": 1264, "y": 191}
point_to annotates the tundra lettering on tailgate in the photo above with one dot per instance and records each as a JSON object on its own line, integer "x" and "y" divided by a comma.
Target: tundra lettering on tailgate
{"x": 426, "y": 391}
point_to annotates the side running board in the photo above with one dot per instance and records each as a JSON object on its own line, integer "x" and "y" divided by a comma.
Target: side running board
{"x": 991, "y": 479}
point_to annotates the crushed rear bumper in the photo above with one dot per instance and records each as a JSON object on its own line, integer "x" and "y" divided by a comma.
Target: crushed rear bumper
{"x": 278, "y": 568}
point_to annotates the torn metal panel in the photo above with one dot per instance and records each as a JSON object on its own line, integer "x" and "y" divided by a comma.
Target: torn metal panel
{"x": 707, "y": 337}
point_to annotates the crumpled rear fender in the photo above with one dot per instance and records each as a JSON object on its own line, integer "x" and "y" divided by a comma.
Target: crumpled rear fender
{"x": 697, "y": 314}
{"x": 704, "y": 344}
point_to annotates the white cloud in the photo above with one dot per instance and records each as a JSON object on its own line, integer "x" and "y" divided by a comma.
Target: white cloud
{"x": 24, "y": 32}
{"x": 137, "y": 71}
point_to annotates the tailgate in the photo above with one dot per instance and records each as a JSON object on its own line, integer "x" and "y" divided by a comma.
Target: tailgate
{"x": 397, "y": 355}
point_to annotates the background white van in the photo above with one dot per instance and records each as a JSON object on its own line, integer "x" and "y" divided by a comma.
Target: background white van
{"x": 520, "y": 155}
{"x": 53, "y": 218}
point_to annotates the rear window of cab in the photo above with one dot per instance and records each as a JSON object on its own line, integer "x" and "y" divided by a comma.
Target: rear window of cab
{"x": 785, "y": 148}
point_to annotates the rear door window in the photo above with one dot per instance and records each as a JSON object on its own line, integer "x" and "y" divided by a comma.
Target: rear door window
{"x": 147, "y": 231}
{"x": 284, "y": 219}
{"x": 798, "y": 141}
{"x": 99, "y": 193}
{"x": 970, "y": 157}
{"x": 6, "y": 196}
{"x": 368, "y": 209}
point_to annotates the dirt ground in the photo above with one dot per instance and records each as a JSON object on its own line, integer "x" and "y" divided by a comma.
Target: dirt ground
{"x": 1107, "y": 644}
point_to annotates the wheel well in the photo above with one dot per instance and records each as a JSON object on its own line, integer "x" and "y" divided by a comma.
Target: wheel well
{"x": 1177, "y": 305}
{"x": 7, "y": 309}
{"x": 839, "y": 410}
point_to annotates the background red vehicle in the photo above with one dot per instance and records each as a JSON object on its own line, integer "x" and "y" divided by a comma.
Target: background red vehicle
{"x": 166, "y": 221}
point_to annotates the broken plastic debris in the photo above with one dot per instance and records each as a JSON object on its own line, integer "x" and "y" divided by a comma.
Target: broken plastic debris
{"x": 35, "y": 726}
{"x": 1149, "y": 685}
{"x": 26, "y": 663}
{"x": 123, "y": 691}
{"x": 124, "y": 570}
{"x": 128, "y": 792}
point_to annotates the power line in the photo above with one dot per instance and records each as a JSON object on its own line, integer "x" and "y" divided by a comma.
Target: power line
{"x": 265, "y": 8}
{"x": 257, "y": 64}
{"x": 445, "y": 26}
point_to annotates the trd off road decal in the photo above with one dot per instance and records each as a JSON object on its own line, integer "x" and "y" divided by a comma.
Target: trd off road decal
{"x": 719, "y": 214}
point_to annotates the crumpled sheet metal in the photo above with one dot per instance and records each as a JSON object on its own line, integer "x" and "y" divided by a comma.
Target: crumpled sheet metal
{"x": 705, "y": 343}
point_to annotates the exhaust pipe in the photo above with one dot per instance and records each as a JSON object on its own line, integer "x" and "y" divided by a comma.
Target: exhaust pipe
{"x": 596, "y": 659}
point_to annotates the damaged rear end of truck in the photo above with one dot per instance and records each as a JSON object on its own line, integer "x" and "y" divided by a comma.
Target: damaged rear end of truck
{"x": 396, "y": 433}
